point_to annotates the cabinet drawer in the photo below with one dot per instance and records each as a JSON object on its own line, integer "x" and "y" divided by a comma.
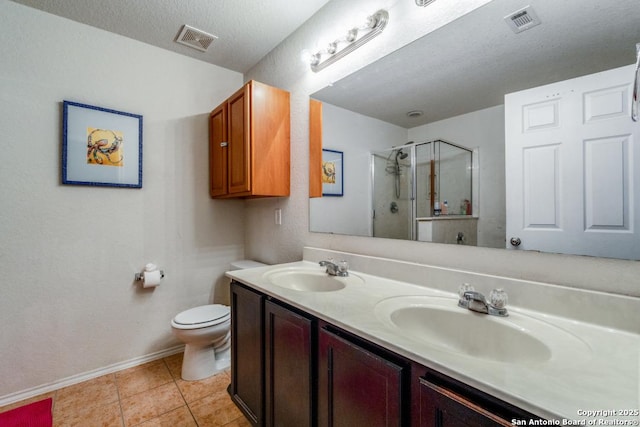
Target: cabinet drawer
{"x": 440, "y": 407}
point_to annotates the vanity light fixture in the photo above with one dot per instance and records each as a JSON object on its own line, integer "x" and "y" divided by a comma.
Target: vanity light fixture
{"x": 353, "y": 39}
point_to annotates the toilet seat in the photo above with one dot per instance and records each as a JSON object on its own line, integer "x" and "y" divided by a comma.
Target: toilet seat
{"x": 202, "y": 317}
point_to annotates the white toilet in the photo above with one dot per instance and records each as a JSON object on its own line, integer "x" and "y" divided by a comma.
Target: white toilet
{"x": 206, "y": 332}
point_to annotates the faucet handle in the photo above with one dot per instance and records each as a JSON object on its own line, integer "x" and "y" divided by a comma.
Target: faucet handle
{"x": 498, "y": 298}
{"x": 343, "y": 266}
{"x": 465, "y": 287}
{"x": 325, "y": 262}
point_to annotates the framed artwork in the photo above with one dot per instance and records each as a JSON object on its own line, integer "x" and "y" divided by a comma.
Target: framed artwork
{"x": 332, "y": 173}
{"x": 101, "y": 147}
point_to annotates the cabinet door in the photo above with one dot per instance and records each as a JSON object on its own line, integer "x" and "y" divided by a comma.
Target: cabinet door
{"x": 315, "y": 148}
{"x": 218, "y": 151}
{"x": 247, "y": 380}
{"x": 239, "y": 135}
{"x": 270, "y": 140}
{"x": 355, "y": 386}
{"x": 288, "y": 368}
{"x": 440, "y": 407}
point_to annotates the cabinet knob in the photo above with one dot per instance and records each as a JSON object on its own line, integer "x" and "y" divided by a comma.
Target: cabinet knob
{"x": 224, "y": 144}
{"x": 515, "y": 241}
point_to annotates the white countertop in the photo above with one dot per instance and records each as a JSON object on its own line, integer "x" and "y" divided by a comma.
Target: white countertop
{"x": 602, "y": 373}
{"x": 443, "y": 217}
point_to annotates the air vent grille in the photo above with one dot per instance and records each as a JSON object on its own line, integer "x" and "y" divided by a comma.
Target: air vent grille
{"x": 522, "y": 19}
{"x": 195, "y": 38}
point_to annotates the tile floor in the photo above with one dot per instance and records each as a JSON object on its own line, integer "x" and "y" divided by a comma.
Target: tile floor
{"x": 149, "y": 395}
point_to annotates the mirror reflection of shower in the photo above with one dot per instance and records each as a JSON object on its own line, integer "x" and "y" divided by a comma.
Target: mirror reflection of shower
{"x": 394, "y": 167}
{"x": 416, "y": 184}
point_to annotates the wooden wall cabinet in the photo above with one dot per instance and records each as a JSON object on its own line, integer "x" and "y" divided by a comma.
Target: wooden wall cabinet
{"x": 315, "y": 148}
{"x": 249, "y": 143}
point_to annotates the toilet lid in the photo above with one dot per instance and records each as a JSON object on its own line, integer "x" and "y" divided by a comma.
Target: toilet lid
{"x": 211, "y": 314}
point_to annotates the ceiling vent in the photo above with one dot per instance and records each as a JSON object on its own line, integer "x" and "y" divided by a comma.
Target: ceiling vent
{"x": 195, "y": 38}
{"x": 522, "y": 19}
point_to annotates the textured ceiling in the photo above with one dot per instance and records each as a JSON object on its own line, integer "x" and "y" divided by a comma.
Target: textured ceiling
{"x": 246, "y": 29}
{"x": 472, "y": 63}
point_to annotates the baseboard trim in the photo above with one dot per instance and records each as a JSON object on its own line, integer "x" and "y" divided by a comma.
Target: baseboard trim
{"x": 75, "y": 379}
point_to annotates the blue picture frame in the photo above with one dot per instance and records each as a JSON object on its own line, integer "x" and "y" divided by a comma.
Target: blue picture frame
{"x": 100, "y": 146}
{"x": 332, "y": 173}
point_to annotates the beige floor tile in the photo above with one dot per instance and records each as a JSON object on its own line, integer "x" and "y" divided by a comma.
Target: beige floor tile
{"x": 195, "y": 390}
{"x": 104, "y": 416}
{"x": 90, "y": 394}
{"x": 174, "y": 363}
{"x": 150, "y": 395}
{"x": 151, "y": 403}
{"x": 217, "y": 409}
{"x": 180, "y": 417}
{"x": 240, "y": 422}
{"x": 142, "y": 378}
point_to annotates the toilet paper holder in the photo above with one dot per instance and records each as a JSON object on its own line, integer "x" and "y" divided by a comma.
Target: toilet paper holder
{"x": 139, "y": 277}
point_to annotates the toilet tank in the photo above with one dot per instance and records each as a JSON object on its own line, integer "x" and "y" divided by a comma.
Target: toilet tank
{"x": 245, "y": 263}
{"x": 222, "y": 292}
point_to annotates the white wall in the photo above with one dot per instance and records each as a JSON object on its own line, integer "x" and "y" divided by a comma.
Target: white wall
{"x": 356, "y": 135}
{"x": 68, "y": 254}
{"x": 283, "y": 68}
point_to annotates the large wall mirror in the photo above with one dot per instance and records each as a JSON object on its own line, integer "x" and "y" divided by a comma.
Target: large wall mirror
{"x": 425, "y": 125}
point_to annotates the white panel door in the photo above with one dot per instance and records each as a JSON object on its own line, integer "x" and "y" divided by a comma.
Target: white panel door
{"x": 571, "y": 181}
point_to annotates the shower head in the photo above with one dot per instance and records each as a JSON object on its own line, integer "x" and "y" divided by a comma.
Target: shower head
{"x": 401, "y": 154}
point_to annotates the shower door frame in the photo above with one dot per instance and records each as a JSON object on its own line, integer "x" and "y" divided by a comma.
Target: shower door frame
{"x": 413, "y": 208}
{"x": 435, "y": 181}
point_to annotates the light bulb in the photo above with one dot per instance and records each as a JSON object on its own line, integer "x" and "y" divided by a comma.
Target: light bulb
{"x": 352, "y": 35}
{"x": 305, "y": 56}
{"x": 315, "y": 58}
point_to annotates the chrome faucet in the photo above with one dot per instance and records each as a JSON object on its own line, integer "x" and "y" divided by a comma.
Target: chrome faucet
{"x": 475, "y": 301}
{"x": 340, "y": 269}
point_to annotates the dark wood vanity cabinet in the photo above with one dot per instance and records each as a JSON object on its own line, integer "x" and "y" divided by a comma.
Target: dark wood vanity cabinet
{"x": 290, "y": 369}
{"x": 272, "y": 358}
{"x": 247, "y": 352}
{"x": 440, "y": 407}
{"x": 440, "y": 401}
{"x": 358, "y": 386}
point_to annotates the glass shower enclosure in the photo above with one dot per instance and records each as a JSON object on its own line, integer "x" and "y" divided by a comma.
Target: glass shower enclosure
{"x": 419, "y": 181}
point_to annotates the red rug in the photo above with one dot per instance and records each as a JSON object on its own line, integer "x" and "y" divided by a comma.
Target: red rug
{"x": 37, "y": 414}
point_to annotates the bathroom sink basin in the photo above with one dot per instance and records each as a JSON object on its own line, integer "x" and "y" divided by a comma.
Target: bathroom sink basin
{"x": 439, "y": 322}
{"x": 309, "y": 280}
